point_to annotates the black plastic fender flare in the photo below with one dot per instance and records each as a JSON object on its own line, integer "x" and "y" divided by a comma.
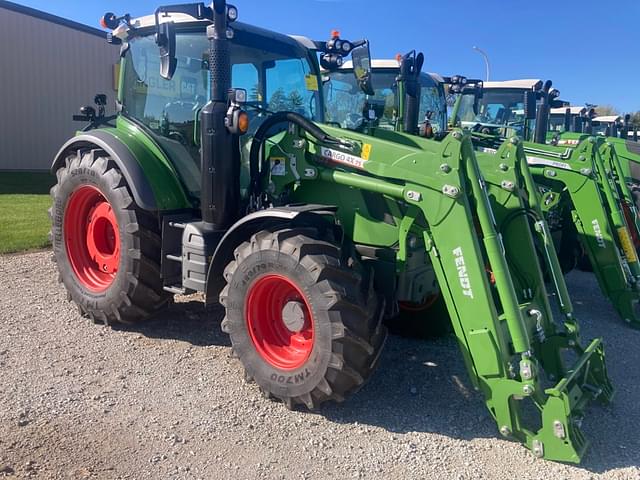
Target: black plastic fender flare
{"x": 121, "y": 155}
{"x": 243, "y": 229}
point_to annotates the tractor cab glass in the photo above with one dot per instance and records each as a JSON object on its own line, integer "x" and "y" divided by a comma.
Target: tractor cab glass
{"x": 276, "y": 75}
{"x": 556, "y": 122}
{"x": 498, "y": 112}
{"x": 606, "y": 128}
{"x": 348, "y": 106}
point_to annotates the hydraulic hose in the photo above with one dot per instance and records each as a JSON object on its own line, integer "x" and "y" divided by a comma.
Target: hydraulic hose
{"x": 262, "y": 133}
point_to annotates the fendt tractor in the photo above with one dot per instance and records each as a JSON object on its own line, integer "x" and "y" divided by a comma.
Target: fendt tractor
{"x": 308, "y": 234}
{"x": 568, "y": 125}
{"x": 588, "y": 203}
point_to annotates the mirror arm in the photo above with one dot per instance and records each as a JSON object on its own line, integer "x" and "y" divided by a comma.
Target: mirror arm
{"x": 196, "y": 10}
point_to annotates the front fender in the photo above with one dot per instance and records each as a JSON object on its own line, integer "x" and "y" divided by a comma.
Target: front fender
{"x": 153, "y": 184}
{"x": 243, "y": 229}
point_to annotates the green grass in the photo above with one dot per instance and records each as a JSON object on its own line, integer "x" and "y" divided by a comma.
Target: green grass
{"x": 24, "y": 201}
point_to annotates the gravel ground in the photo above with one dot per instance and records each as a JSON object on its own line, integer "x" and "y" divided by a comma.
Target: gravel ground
{"x": 165, "y": 400}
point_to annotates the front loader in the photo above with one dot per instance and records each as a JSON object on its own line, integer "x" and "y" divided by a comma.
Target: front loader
{"x": 401, "y": 94}
{"x": 620, "y": 151}
{"x": 588, "y": 207}
{"x": 306, "y": 233}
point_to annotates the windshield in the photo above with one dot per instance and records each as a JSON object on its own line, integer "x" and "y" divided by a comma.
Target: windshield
{"x": 602, "y": 128}
{"x": 556, "y": 123}
{"x": 277, "y": 76}
{"x": 493, "y": 112}
{"x": 348, "y": 106}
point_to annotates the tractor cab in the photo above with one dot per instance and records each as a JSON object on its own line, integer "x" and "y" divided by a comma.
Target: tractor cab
{"x": 350, "y": 108}
{"x": 572, "y": 119}
{"x": 277, "y": 72}
{"x": 608, "y": 125}
{"x": 508, "y": 108}
{"x": 274, "y": 72}
{"x": 500, "y": 110}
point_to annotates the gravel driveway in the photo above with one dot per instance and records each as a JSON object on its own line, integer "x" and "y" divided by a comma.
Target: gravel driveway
{"x": 165, "y": 400}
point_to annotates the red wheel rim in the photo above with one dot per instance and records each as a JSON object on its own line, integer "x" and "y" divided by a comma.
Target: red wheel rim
{"x": 279, "y": 321}
{"x": 92, "y": 238}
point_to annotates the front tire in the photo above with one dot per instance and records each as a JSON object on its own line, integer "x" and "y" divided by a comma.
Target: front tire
{"x": 107, "y": 250}
{"x": 302, "y": 320}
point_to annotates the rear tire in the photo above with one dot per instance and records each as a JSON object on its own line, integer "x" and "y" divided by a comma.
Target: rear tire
{"x": 423, "y": 322}
{"x": 325, "y": 351}
{"x": 107, "y": 250}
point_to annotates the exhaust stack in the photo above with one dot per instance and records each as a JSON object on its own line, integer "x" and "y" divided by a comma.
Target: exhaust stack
{"x": 542, "y": 115}
{"x": 220, "y": 163}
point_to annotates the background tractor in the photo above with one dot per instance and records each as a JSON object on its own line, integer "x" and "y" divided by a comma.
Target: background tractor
{"x": 306, "y": 233}
{"x": 588, "y": 203}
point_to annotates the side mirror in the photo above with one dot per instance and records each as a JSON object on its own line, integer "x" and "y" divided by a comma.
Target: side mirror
{"x": 166, "y": 40}
{"x": 530, "y": 104}
{"x": 361, "y": 57}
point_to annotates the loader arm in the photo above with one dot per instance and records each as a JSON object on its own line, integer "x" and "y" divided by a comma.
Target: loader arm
{"x": 620, "y": 182}
{"x": 510, "y": 344}
{"x": 581, "y": 180}
{"x": 580, "y": 174}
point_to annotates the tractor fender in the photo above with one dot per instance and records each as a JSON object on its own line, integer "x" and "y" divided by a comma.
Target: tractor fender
{"x": 243, "y": 229}
{"x": 121, "y": 155}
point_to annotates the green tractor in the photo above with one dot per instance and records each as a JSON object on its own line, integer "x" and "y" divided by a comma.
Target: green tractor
{"x": 568, "y": 125}
{"x": 587, "y": 200}
{"x": 307, "y": 234}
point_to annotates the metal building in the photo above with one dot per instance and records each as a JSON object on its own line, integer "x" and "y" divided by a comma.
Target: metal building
{"x": 50, "y": 67}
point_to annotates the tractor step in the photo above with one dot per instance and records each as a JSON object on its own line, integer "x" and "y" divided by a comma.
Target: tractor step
{"x": 187, "y": 247}
{"x": 175, "y": 290}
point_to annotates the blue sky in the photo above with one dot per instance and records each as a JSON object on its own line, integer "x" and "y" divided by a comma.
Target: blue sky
{"x": 524, "y": 39}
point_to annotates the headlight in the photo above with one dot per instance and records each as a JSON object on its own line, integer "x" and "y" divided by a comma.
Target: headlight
{"x": 346, "y": 47}
{"x": 337, "y": 44}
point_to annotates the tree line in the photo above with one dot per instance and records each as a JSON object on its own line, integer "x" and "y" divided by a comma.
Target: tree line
{"x": 611, "y": 110}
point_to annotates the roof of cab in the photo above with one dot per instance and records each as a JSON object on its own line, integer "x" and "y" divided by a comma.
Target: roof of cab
{"x": 375, "y": 63}
{"x": 149, "y": 21}
{"x": 390, "y": 64}
{"x": 575, "y": 110}
{"x": 608, "y": 118}
{"x": 525, "y": 83}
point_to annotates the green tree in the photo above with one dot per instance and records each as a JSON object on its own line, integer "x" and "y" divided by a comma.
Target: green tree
{"x": 295, "y": 100}
{"x": 278, "y": 101}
